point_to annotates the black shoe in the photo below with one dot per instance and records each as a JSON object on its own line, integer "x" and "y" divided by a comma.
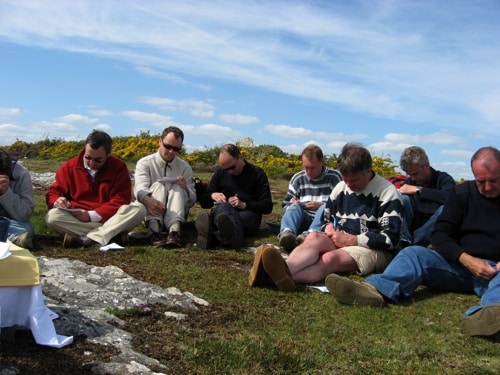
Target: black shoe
{"x": 204, "y": 230}
{"x": 228, "y": 232}
{"x": 121, "y": 239}
{"x": 173, "y": 239}
{"x": 404, "y": 243}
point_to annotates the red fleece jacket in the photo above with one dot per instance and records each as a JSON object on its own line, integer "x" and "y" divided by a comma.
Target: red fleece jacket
{"x": 110, "y": 188}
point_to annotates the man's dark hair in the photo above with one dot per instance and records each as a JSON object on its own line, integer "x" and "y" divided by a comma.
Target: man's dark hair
{"x": 98, "y": 139}
{"x": 5, "y": 163}
{"x": 312, "y": 151}
{"x": 354, "y": 158}
{"x": 178, "y": 133}
{"x": 231, "y": 149}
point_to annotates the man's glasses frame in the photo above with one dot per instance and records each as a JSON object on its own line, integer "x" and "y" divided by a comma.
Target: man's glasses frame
{"x": 170, "y": 147}
{"x": 98, "y": 160}
{"x": 231, "y": 168}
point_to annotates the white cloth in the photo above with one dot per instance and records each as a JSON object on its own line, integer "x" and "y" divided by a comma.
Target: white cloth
{"x": 25, "y": 306}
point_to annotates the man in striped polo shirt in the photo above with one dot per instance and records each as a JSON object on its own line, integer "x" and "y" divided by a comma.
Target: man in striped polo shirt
{"x": 308, "y": 190}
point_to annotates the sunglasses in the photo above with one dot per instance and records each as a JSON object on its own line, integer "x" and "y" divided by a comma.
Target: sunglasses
{"x": 231, "y": 168}
{"x": 170, "y": 147}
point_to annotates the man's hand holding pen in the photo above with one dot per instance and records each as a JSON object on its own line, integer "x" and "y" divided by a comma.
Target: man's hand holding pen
{"x": 236, "y": 202}
{"x": 340, "y": 238}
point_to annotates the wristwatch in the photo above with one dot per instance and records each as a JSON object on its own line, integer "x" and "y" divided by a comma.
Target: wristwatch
{"x": 418, "y": 189}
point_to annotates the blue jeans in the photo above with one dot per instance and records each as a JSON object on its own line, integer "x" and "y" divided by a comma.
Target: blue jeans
{"x": 317, "y": 222}
{"x": 295, "y": 218}
{"x": 422, "y": 235}
{"x": 417, "y": 265}
{"x": 17, "y": 227}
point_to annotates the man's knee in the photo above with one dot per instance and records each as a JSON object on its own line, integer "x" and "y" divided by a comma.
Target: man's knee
{"x": 314, "y": 236}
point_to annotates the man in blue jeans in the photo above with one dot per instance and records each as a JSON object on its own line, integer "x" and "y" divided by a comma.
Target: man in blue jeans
{"x": 423, "y": 194}
{"x": 466, "y": 258}
{"x": 308, "y": 190}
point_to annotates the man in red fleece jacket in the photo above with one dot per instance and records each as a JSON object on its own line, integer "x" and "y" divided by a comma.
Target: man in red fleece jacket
{"x": 90, "y": 200}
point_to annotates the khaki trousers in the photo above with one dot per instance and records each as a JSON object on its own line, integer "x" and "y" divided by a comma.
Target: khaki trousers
{"x": 126, "y": 218}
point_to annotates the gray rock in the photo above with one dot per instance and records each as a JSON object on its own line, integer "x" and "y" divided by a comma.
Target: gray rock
{"x": 79, "y": 293}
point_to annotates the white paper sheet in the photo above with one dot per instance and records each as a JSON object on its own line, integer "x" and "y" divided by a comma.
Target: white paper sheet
{"x": 4, "y": 250}
{"x": 111, "y": 246}
{"x": 168, "y": 179}
{"x": 321, "y": 288}
{"x": 70, "y": 209}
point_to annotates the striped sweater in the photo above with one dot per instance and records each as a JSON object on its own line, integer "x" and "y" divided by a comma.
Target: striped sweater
{"x": 305, "y": 189}
{"x": 373, "y": 214}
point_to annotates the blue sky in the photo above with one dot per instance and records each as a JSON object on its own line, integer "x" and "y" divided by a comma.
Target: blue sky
{"x": 388, "y": 74}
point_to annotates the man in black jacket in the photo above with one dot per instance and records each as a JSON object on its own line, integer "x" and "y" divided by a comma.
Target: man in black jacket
{"x": 240, "y": 193}
{"x": 467, "y": 256}
{"x": 423, "y": 194}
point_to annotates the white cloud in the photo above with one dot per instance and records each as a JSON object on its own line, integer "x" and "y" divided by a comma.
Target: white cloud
{"x": 196, "y": 108}
{"x": 159, "y": 121}
{"x": 100, "y": 112}
{"x": 76, "y": 119}
{"x": 287, "y": 131}
{"x": 457, "y": 153}
{"x": 340, "y": 53}
{"x": 9, "y": 112}
{"x": 150, "y": 72}
{"x": 420, "y": 139}
{"x": 238, "y": 119}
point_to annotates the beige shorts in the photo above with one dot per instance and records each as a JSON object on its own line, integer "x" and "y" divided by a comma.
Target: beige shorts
{"x": 368, "y": 261}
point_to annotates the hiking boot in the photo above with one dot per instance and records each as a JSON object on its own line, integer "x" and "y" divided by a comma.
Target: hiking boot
{"x": 353, "y": 292}
{"x": 23, "y": 240}
{"x": 72, "y": 241}
{"x": 287, "y": 240}
{"x": 204, "y": 230}
{"x": 484, "y": 322}
{"x": 173, "y": 239}
{"x": 276, "y": 268}
{"x": 301, "y": 237}
{"x": 228, "y": 232}
{"x": 257, "y": 276}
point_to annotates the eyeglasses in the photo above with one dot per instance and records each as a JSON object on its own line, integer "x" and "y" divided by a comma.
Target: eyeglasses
{"x": 170, "y": 147}
{"x": 96, "y": 160}
{"x": 231, "y": 168}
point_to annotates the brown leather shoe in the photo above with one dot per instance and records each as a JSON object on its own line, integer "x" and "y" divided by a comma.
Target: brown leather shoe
{"x": 158, "y": 241}
{"x": 72, "y": 241}
{"x": 276, "y": 268}
{"x": 174, "y": 239}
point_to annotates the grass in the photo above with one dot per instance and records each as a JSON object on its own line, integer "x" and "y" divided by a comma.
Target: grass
{"x": 261, "y": 331}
